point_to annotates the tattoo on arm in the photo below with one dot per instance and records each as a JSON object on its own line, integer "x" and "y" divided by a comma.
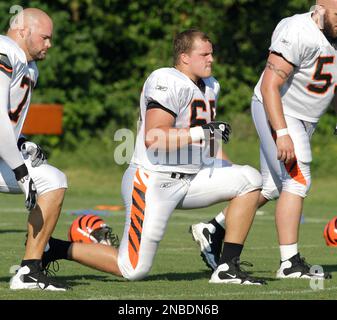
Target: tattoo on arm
{"x": 279, "y": 72}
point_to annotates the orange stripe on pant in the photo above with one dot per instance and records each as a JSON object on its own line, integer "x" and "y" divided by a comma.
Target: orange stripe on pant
{"x": 133, "y": 247}
{"x": 137, "y": 212}
{"x": 136, "y": 219}
{"x": 137, "y": 222}
{"x": 293, "y": 168}
{"x": 295, "y": 172}
{"x": 141, "y": 187}
{"x": 138, "y": 199}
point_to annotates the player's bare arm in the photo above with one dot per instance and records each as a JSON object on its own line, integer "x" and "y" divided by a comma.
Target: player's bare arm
{"x": 160, "y": 133}
{"x": 281, "y": 73}
{"x": 276, "y": 74}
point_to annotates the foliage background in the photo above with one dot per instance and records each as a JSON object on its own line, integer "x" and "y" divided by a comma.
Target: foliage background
{"x": 104, "y": 50}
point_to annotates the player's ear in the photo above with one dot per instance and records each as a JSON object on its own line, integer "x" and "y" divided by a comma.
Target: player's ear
{"x": 24, "y": 32}
{"x": 184, "y": 58}
{"x": 318, "y": 16}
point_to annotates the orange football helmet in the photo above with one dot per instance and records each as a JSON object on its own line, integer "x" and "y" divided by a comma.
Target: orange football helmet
{"x": 92, "y": 229}
{"x": 330, "y": 233}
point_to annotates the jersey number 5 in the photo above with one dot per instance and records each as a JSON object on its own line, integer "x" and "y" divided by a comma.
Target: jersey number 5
{"x": 320, "y": 76}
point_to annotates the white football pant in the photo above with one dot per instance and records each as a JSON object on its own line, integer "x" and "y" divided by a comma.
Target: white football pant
{"x": 46, "y": 178}
{"x": 151, "y": 197}
{"x": 277, "y": 176}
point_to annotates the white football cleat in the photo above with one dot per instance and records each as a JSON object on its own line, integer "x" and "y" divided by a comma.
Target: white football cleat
{"x": 32, "y": 277}
{"x": 296, "y": 267}
{"x": 210, "y": 243}
{"x": 231, "y": 272}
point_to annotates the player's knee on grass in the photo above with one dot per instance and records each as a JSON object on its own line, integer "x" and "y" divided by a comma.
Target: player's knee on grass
{"x": 253, "y": 178}
{"x": 139, "y": 274}
{"x": 134, "y": 267}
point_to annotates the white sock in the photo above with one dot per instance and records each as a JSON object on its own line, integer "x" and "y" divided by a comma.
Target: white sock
{"x": 288, "y": 251}
{"x": 220, "y": 219}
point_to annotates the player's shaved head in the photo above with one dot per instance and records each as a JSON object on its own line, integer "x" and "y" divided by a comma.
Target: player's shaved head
{"x": 29, "y": 17}
{"x": 32, "y": 29}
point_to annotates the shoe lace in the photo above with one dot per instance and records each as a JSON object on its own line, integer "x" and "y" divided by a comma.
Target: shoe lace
{"x": 51, "y": 268}
{"x": 241, "y": 271}
{"x": 43, "y": 278}
{"x": 305, "y": 264}
{"x": 301, "y": 262}
{"x": 244, "y": 273}
{"x": 307, "y": 267}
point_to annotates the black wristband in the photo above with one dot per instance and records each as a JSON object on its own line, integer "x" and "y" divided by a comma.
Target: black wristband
{"x": 20, "y": 172}
{"x": 21, "y": 141}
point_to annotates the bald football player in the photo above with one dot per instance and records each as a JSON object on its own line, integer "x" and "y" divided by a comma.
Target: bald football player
{"x": 23, "y": 166}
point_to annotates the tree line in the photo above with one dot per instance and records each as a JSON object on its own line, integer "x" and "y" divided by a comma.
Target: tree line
{"x": 104, "y": 50}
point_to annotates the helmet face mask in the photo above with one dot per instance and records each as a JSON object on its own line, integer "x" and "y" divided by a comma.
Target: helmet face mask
{"x": 92, "y": 229}
{"x": 330, "y": 233}
{"x": 104, "y": 235}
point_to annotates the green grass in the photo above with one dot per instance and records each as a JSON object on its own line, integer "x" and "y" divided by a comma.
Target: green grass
{"x": 178, "y": 271}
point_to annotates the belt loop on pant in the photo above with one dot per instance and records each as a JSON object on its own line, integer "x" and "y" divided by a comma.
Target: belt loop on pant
{"x": 177, "y": 175}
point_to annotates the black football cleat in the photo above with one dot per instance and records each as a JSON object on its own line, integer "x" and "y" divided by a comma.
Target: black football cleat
{"x": 297, "y": 267}
{"x": 33, "y": 277}
{"x": 231, "y": 273}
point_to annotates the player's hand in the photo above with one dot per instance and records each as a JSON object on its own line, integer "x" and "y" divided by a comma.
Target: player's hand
{"x": 285, "y": 149}
{"x": 27, "y": 186}
{"x": 218, "y": 130}
{"x": 35, "y": 152}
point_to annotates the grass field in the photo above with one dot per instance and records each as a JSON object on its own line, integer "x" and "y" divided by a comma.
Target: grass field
{"x": 178, "y": 271}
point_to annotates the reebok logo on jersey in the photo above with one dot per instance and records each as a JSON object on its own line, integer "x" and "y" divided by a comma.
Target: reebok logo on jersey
{"x": 161, "y": 88}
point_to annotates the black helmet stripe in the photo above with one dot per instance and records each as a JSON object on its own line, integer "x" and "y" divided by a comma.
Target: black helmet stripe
{"x": 96, "y": 220}
{"x": 80, "y": 222}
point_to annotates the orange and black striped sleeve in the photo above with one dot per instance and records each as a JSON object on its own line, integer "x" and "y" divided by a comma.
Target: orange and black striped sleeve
{"x": 5, "y": 65}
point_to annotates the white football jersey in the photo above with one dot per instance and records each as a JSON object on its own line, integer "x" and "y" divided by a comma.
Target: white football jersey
{"x": 23, "y": 77}
{"x": 189, "y": 104}
{"x": 308, "y": 92}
